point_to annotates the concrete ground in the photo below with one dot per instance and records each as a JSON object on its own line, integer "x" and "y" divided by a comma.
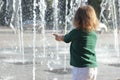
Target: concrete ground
{"x": 51, "y": 61}
{"x": 19, "y": 71}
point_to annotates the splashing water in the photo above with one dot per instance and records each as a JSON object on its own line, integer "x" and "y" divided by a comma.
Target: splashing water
{"x": 34, "y": 38}
{"x": 39, "y": 49}
{"x": 110, "y": 5}
{"x": 1, "y": 4}
{"x": 55, "y": 26}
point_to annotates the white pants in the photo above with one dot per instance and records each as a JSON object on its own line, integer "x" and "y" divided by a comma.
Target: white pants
{"x": 84, "y": 73}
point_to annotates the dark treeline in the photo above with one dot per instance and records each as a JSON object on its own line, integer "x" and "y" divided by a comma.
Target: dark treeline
{"x": 27, "y": 10}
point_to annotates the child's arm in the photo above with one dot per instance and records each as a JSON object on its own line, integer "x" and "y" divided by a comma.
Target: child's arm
{"x": 59, "y": 37}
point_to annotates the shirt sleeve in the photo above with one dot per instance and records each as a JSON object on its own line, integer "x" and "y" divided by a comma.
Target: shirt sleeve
{"x": 69, "y": 36}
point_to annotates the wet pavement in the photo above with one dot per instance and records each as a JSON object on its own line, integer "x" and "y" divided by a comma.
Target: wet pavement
{"x": 51, "y": 58}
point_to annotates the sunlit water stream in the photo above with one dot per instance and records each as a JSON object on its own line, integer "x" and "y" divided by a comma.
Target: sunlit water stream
{"x": 30, "y": 55}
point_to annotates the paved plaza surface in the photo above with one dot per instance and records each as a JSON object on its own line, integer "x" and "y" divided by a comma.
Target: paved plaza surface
{"x": 19, "y": 71}
{"x": 51, "y": 60}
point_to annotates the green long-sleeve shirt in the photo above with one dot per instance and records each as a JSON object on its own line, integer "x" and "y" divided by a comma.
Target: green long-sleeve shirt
{"x": 82, "y": 48}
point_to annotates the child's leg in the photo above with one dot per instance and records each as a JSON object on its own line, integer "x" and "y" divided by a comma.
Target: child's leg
{"x": 84, "y": 73}
{"x": 92, "y": 74}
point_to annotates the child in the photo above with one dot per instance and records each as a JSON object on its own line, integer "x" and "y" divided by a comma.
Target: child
{"x": 83, "y": 41}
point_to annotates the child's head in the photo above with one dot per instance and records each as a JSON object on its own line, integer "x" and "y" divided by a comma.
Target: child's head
{"x": 85, "y": 18}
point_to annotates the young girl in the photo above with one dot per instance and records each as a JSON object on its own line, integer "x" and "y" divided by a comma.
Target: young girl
{"x": 83, "y": 41}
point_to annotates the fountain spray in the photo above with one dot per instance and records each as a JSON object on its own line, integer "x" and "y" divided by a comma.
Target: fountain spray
{"x": 34, "y": 38}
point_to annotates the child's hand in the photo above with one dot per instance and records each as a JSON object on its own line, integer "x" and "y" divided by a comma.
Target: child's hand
{"x": 55, "y": 35}
{"x": 58, "y": 37}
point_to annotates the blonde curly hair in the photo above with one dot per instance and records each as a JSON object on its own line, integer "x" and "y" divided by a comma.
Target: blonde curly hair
{"x": 85, "y": 18}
